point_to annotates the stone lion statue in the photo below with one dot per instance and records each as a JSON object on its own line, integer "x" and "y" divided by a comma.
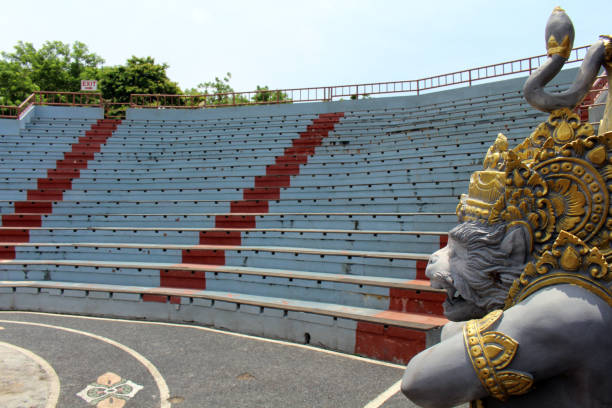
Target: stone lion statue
{"x": 528, "y": 271}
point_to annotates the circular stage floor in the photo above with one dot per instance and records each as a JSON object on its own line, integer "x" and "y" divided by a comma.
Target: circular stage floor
{"x": 50, "y": 360}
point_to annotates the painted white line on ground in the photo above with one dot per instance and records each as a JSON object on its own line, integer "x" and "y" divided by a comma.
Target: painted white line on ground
{"x": 245, "y": 336}
{"x": 54, "y": 391}
{"x": 382, "y": 398}
{"x": 164, "y": 392}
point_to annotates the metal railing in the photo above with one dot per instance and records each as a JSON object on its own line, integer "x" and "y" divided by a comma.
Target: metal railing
{"x": 8, "y": 112}
{"x": 293, "y": 95}
{"x": 328, "y": 93}
{"x": 52, "y": 98}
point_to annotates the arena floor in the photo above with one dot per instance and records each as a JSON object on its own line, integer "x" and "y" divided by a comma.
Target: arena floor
{"x": 73, "y": 361}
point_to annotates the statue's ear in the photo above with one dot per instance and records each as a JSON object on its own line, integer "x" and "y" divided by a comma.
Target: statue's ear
{"x": 515, "y": 245}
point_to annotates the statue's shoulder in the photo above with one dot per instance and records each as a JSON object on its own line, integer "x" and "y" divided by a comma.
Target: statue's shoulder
{"x": 563, "y": 313}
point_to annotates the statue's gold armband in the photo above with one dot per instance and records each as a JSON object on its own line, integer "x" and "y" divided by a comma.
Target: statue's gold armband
{"x": 490, "y": 352}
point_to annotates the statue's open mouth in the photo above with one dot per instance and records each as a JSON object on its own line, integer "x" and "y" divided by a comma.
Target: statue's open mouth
{"x": 453, "y": 296}
{"x": 457, "y": 308}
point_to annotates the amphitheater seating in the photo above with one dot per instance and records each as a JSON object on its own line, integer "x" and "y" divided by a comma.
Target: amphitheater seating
{"x": 313, "y": 214}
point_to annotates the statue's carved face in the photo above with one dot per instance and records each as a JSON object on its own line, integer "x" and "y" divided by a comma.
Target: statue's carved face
{"x": 477, "y": 268}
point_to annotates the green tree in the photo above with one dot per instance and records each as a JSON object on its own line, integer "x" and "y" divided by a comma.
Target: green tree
{"x": 264, "y": 95}
{"x": 138, "y": 75}
{"x": 54, "y": 67}
{"x": 220, "y": 92}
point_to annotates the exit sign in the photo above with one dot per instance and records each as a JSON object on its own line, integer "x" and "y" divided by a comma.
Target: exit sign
{"x": 89, "y": 85}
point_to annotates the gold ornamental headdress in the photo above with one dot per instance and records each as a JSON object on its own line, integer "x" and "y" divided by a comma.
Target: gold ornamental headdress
{"x": 557, "y": 185}
{"x": 558, "y": 179}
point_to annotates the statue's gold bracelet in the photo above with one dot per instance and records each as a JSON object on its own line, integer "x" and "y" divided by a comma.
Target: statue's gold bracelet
{"x": 490, "y": 352}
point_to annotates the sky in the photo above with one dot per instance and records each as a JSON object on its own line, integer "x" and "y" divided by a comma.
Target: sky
{"x": 289, "y": 44}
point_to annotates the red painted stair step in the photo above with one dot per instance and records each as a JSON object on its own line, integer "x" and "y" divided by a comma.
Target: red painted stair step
{"x": 249, "y": 206}
{"x": 171, "y": 278}
{"x": 414, "y": 301}
{"x": 262, "y": 193}
{"x": 292, "y": 159}
{"x": 21, "y": 220}
{"x": 63, "y": 183}
{"x": 220, "y": 238}
{"x": 63, "y": 173}
{"x": 312, "y": 141}
{"x": 14, "y": 235}
{"x": 204, "y": 256}
{"x": 235, "y": 221}
{"x": 86, "y": 147}
{"x": 93, "y": 138}
{"x": 7, "y": 253}
{"x": 56, "y": 195}
{"x": 300, "y": 150}
{"x": 282, "y": 169}
{"x": 78, "y": 155}
{"x": 35, "y": 207}
{"x": 272, "y": 181}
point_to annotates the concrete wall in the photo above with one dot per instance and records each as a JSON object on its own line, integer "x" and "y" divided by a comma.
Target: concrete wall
{"x": 12, "y": 126}
{"x": 566, "y": 76}
{"x": 9, "y": 126}
{"x": 67, "y": 112}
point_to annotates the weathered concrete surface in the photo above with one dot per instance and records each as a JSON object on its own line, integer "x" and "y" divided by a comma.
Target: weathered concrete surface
{"x": 24, "y": 381}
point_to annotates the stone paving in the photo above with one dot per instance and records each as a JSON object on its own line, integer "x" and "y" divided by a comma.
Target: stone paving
{"x": 108, "y": 363}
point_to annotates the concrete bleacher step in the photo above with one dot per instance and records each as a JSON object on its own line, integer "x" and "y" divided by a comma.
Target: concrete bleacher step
{"x": 386, "y": 335}
{"x": 416, "y": 321}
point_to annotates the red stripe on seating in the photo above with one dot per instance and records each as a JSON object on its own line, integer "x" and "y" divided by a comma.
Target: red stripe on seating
{"x": 261, "y": 193}
{"x": 48, "y": 195}
{"x": 388, "y": 343}
{"x": 220, "y": 238}
{"x": 272, "y": 181}
{"x": 51, "y": 189}
{"x": 249, "y": 206}
{"x": 13, "y": 235}
{"x": 443, "y": 240}
{"x": 399, "y": 344}
{"x": 7, "y": 253}
{"x": 416, "y": 301}
{"x": 36, "y": 207}
{"x": 255, "y": 200}
{"x": 421, "y": 265}
{"x": 21, "y": 220}
{"x": 235, "y": 221}
{"x": 183, "y": 279}
{"x": 59, "y": 183}
{"x": 203, "y": 256}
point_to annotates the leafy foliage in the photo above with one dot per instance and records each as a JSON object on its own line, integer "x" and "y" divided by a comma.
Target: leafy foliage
{"x": 54, "y": 67}
{"x": 139, "y": 75}
{"x": 217, "y": 92}
{"x": 264, "y": 95}
{"x": 61, "y": 67}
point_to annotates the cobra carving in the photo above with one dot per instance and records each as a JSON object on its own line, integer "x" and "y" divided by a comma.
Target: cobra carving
{"x": 531, "y": 261}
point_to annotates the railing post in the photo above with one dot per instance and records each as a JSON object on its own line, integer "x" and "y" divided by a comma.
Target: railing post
{"x": 470, "y": 77}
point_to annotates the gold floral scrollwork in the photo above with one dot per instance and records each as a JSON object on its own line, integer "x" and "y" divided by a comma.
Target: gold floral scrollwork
{"x": 492, "y": 351}
{"x": 564, "y": 123}
{"x": 570, "y": 261}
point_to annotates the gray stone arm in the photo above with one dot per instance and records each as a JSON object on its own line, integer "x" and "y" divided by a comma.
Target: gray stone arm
{"x": 540, "y": 99}
{"x": 550, "y": 327}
